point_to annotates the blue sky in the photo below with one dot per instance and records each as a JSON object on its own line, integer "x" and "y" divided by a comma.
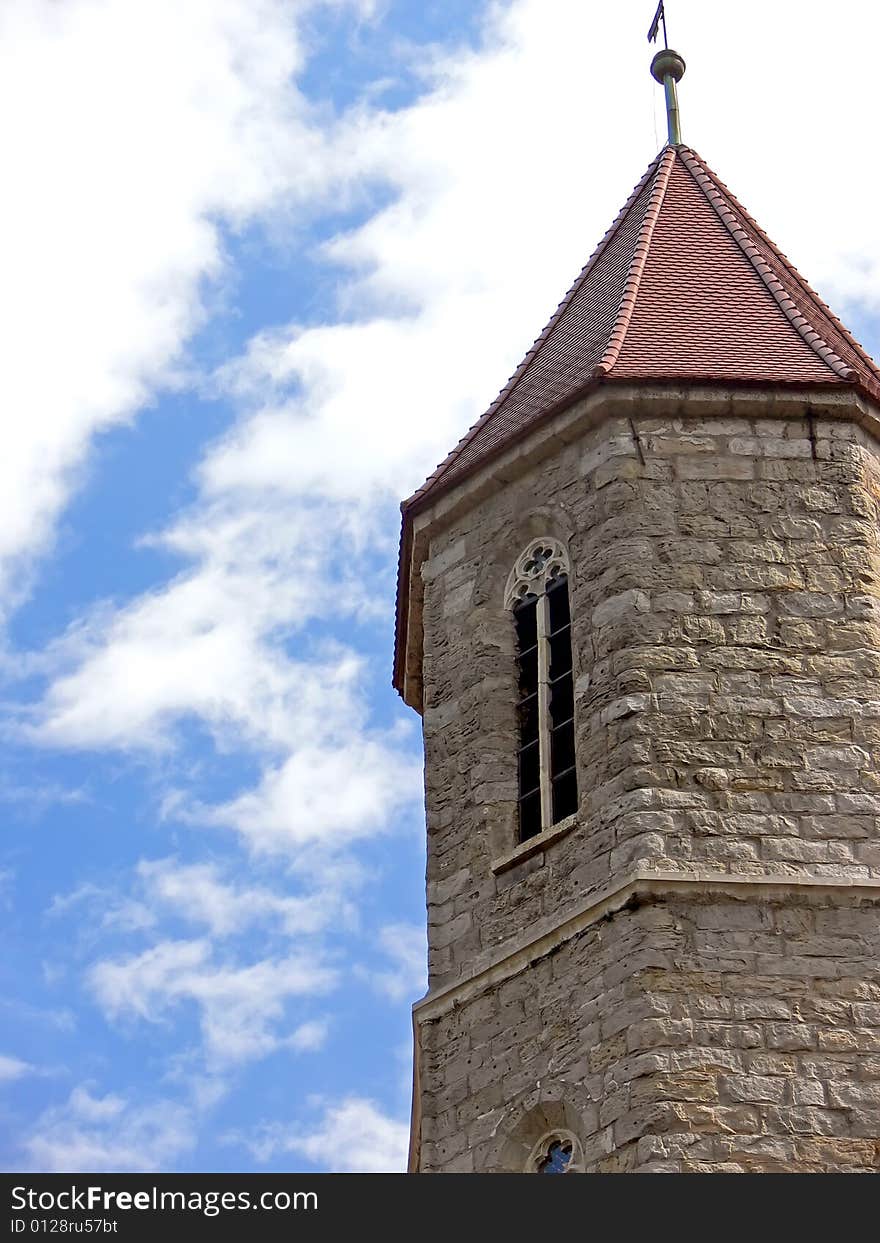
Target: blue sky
{"x": 264, "y": 261}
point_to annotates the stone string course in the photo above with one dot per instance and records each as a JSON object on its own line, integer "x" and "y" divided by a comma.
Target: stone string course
{"x": 725, "y": 595}
{"x": 677, "y": 1036}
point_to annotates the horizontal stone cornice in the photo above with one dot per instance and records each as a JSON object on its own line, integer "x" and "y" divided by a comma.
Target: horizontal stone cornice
{"x": 627, "y": 402}
{"x": 520, "y": 952}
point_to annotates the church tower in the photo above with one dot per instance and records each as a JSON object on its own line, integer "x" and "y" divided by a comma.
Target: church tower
{"x": 639, "y": 614}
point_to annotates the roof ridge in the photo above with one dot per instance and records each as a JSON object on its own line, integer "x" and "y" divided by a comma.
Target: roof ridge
{"x": 816, "y": 298}
{"x": 637, "y": 264}
{"x": 517, "y": 375}
{"x": 808, "y": 333}
{"x": 662, "y": 299}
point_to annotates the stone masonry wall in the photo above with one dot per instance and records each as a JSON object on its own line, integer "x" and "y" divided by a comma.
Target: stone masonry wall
{"x": 686, "y": 1034}
{"x": 726, "y": 627}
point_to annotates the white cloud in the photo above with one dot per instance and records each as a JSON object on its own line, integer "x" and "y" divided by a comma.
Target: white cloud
{"x": 497, "y": 199}
{"x": 212, "y": 643}
{"x": 217, "y": 657}
{"x": 98, "y": 1133}
{"x": 141, "y": 132}
{"x": 215, "y": 644}
{"x": 200, "y": 894}
{"x": 244, "y": 995}
{"x": 242, "y": 1008}
{"x": 311, "y": 1036}
{"x": 30, "y": 800}
{"x": 196, "y": 892}
{"x": 503, "y": 177}
{"x": 352, "y": 1137}
{"x": 828, "y": 231}
{"x": 13, "y": 1068}
{"x": 507, "y": 174}
{"x": 405, "y": 945}
{"x": 323, "y": 795}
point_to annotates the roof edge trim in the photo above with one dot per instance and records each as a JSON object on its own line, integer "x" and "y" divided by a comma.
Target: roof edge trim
{"x": 783, "y": 299}
{"x": 437, "y": 474}
{"x": 637, "y": 266}
{"x": 804, "y": 285}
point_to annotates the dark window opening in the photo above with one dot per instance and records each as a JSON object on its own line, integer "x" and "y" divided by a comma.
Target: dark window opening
{"x": 529, "y": 769}
{"x": 560, "y": 654}
{"x": 561, "y": 699}
{"x": 557, "y": 598}
{"x": 557, "y": 1159}
{"x": 547, "y": 775}
{"x": 528, "y": 671}
{"x": 526, "y": 614}
{"x": 562, "y": 749}
{"x": 528, "y": 720}
{"x": 530, "y": 815}
{"x": 565, "y": 795}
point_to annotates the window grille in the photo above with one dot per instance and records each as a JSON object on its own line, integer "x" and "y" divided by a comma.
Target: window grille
{"x": 537, "y": 594}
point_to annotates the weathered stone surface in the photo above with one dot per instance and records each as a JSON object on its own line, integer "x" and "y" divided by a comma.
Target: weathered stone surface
{"x": 726, "y": 1059}
{"x": 725, "y": 589}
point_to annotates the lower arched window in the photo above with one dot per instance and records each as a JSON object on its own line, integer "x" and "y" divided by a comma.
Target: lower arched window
{"x": 558, "y": 1152}
{"x": 537, "y": 593}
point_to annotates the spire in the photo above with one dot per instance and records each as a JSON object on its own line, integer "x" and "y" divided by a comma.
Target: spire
{"x": 667, "y": 68}
{"x": 684, "y": 287}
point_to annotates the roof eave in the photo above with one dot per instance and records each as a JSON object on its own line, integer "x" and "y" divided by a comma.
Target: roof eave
{"x": 410, "y": 688}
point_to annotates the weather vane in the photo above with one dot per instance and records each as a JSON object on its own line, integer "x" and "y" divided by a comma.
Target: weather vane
{"x": 659, "y": 17}
{"x": 667, "y": 67}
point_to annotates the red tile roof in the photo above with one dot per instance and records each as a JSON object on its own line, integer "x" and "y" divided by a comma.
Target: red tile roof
{"x": 684, "y": 286}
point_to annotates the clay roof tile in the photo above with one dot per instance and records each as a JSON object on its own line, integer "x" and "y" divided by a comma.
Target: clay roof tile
{"x": 684, "y": 286}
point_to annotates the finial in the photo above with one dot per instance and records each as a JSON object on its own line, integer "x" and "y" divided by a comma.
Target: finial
{"x": 667, "y": 68}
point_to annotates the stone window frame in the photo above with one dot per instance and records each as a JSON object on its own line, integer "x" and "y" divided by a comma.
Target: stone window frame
{"x": 549, "y": 1111}
{"x": 540, "y": 565}
{"x": 577, "y": 1164}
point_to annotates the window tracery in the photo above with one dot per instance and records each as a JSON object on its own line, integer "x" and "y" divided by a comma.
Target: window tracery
{"x": 537, "y": 594}
{"x": 558, "y": 1152}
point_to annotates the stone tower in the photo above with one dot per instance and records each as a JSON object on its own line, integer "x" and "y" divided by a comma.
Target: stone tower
{"x": 654, "y": 830}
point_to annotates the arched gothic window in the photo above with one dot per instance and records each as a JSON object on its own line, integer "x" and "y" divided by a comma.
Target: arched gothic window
{"x": 537, "y": 594}
{"x": 558, "y": 1152}
{"x": 556, "y": 1159}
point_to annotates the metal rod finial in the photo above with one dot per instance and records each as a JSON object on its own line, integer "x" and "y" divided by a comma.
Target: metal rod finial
{"x": 668, "y": 68}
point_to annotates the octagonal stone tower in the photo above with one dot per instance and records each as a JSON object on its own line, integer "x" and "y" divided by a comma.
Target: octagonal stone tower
{"x": 654, "y": 830}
